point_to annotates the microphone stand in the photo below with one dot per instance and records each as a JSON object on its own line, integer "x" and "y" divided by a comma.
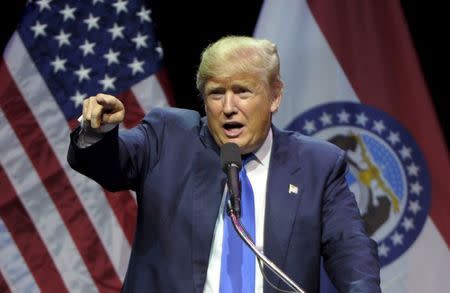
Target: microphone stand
{"x": 248, "y": 241}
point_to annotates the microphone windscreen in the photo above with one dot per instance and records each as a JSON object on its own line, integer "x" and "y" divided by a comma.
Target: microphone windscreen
{"x": 230, "y": 154}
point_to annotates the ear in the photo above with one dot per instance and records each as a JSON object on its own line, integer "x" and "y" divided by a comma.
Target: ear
{"x": 277, "y": 94}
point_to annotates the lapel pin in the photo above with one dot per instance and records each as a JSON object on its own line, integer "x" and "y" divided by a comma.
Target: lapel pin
{"x": 293, "y": 189}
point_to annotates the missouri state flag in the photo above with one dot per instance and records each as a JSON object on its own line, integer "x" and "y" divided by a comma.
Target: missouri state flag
{"x": 59, "y": 230}
{"x": 352, "y": 77}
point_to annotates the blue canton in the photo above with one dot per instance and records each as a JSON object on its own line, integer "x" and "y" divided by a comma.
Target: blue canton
{"x": 81, "y": 48}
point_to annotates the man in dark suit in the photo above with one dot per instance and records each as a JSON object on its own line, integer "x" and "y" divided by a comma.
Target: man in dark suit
{"x": 303, "y": 207}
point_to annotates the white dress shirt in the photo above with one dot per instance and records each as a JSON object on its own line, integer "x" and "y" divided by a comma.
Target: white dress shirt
{"x": 257, "y": 171}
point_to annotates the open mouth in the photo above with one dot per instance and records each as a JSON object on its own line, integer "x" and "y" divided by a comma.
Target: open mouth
{"x": 233, "y": 129}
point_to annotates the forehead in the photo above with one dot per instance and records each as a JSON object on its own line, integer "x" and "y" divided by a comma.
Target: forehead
{"x": 239, "y": 79}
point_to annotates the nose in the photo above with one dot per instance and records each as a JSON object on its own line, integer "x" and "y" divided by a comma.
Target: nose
{"x": 229, "y": 104}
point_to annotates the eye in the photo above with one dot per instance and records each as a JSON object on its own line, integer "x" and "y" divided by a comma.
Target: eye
{"x": 241, "y": 89}
{"x": 243, "y": 92}
{"x": 215, "y": 94}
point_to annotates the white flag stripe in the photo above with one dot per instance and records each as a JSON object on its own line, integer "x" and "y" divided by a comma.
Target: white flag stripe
{"x": 56, "y": 130}
{"x": 291, "y": 25}
{"x": 12, "y": 265}
{"x": 149, "y": 94}
{"x": 324, "y": 80}
{"x": 423, "y": 268}
{"x": 43, "y": 212}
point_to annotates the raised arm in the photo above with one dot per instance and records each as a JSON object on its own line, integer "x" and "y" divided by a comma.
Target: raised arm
{"x": 95, "y": 149}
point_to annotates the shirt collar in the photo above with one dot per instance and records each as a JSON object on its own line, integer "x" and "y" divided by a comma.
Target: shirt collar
{"x": 263, "y": 153}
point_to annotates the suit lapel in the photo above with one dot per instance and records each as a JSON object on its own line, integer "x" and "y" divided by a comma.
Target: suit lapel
{"x": 209, "y": 182}
{"x": 284, "y": 192}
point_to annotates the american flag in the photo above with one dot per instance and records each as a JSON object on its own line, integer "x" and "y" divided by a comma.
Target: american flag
{"x": 60, "y": 231}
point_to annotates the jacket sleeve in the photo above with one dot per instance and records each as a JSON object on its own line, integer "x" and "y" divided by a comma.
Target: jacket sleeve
{"x": 120, "y": 158}
{"x": 350, "y": 256}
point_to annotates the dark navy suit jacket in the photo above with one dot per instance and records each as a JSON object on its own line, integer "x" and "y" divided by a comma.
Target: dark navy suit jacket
{"x": 172, "y": 162}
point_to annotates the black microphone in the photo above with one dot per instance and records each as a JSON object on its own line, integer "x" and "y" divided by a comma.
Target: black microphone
{"x": 231, "y": 161}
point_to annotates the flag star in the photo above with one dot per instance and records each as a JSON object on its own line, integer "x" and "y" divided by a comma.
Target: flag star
{"x": 58, "y": 64}
{"x": 405, "y": 153}
{"x": 144, "y": 14}
{"x": 140, "y": 40}
{"x": 63, "y": 38}
{"x": 116, "y": 31}
{"x": 413, "y": 170}
{"x": 383, "y": 250}
{"x": 68, "y": 12}
{"x": 416, "y": 188}
{"x": 112, "y": 57}
{"x": 136, "y": 66}
{"x": 414, "y": 206}
{"x": 78, "y": 98}
{"x": 120, "y": 5}
{"x": 87, "y": 48}
{"x": 83, "y": 73}
{"x": 309, "y": 126}
{"x": 325, "y": 119}
{"x": 361, "y": 119}
{"x": 343, "y": 116}
{"x": 393, "y": 137}
{"x": 378, "y": 126}
{"x": 39, "y": 29}
{"x": 92, "y": 22}
{"x": 108, "y": 82}
{"x": 408, "y": 223}
{"x": 43, "y": 4}
{"x": 397, "y": 238}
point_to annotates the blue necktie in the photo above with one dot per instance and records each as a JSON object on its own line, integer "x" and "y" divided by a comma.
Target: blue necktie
{"x": 237, "y": 274}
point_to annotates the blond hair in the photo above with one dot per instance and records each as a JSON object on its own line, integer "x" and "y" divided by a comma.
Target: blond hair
{"x": 237, "y": 54}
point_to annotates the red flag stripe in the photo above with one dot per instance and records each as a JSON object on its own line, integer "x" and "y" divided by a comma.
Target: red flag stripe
{"x": 53, "y": 123}
{"x": 404, "y": 100}
{"x": 163, "y": 78}
{"x": 134, "y": 112}
{"x": 43, "y": 212}
{"x": 29, "y": 242}
{"x": 54, "y": 179}
{"x": 125, "y": 208}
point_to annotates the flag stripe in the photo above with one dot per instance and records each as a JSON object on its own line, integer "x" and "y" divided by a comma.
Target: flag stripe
{"x": 55, "y": 181}
{"x": 42, "y": 210}
{"x": 134, "y": 112}
{"x": 303, "y": 89}
{"x": 13, "y": 269}
{"x": 28, "y": 241}
{"x": 124, "y": 206}
{"x": 164, "y": 84}
{"x": 56, "y": 130}
{"x": 149, "y": 92}
{"x": 402, "y": 93}
{"x": 423, "y": 268}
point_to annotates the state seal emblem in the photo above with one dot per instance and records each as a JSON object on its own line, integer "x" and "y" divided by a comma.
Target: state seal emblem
{"x": 387, "y": 171}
